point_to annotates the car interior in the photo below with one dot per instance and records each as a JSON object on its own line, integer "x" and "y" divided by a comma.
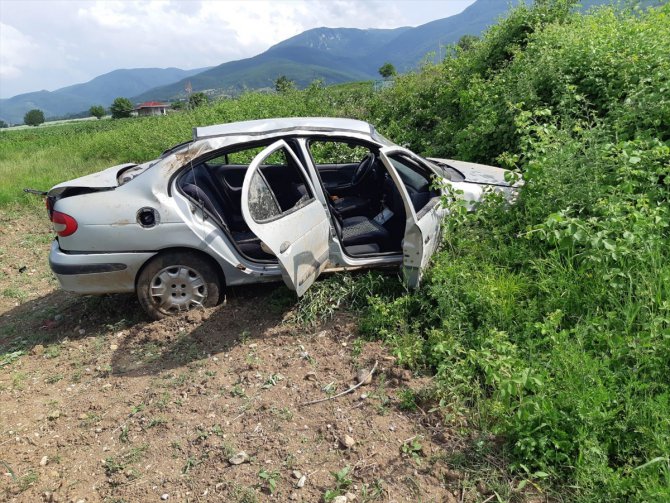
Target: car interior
{"x": 367, "y": 210}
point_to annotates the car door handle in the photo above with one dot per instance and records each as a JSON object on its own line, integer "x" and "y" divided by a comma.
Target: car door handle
{"x": 284, "y": 246}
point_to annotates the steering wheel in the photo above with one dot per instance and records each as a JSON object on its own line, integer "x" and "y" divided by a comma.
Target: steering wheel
{"x": 363, "y": 169}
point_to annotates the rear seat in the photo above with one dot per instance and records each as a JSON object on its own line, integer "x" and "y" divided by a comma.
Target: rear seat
{"x": 196, "y": 185}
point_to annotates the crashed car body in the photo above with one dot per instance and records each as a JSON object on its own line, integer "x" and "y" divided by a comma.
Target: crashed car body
{"x": 254, "y": 201}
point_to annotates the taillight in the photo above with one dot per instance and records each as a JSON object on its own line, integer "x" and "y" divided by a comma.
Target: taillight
{"x": 64, "y": 224}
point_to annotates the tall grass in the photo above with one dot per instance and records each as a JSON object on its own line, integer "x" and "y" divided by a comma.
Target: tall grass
{"x": 41, "y": 157}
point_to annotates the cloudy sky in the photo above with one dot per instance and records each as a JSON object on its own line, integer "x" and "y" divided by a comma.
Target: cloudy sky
{"x": 47, "y": 44}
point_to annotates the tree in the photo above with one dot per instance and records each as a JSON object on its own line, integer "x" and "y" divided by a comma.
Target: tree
{"x": 467, "y": 42}
{"x": 387, "y": 70}
{"x": 197, "y": 100}
{"x": 3, "y": 124}
{"x": 97, "y": 111}
{"x": 33, "y": 117}
{"x": 283, "y": 84}
{"x": 121, "y": 107}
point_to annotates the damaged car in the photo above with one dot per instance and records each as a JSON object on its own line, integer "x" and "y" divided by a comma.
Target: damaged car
{"x": 255, "y": 201}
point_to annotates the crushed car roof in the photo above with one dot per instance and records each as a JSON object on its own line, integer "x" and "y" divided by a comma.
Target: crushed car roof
{"x": 264, "y": 126}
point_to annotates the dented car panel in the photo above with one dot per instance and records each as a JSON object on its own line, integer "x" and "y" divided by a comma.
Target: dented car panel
{"x": 263, "y": 218}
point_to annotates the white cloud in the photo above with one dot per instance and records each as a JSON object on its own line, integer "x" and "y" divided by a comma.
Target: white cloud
{"x": 53, "y": 43}
{"x": 108, "y": 15}
{"x": 15, "y": 53}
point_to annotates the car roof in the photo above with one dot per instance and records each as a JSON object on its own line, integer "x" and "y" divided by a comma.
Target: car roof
{"x": 265, "y": 126}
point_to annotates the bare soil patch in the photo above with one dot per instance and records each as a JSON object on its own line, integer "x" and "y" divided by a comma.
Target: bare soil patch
{"x": 99, "y": 404}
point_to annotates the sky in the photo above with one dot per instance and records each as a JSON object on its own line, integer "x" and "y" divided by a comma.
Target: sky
{"x": 48, "y": 44}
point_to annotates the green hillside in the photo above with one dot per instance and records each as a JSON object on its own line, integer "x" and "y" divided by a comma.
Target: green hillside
{"x": 99, "y": 91}
{"x": 300, "y": 64}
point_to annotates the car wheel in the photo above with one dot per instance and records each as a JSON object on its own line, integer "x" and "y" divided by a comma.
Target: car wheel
{"x": 175, "y": 282}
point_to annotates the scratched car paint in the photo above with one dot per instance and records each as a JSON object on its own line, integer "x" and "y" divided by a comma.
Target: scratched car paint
{"x": 255, "y": 201}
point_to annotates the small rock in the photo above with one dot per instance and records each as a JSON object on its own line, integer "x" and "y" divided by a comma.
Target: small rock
{"x": 44, "y": 461}
{"x": 451, "y": 475}
{"x": 37, "y": 350}
{"x": 296, "y": 474}
{"x": 347, "y": 441}
{"x": 239, "y": 458}
{"x": 48, "y": 497}
{"x": 350, "y": 496}
{"x": 52, "y": 415}
{"x": 301, "y": 482}
{"x": 340, "y": 499}
{"x": 364, "y": 376}
{"x": 294, "y": 496}
{"x": 364, "y": 396}
{"x": 113, "y": 347}
{"x": 165, "y": 496}
{"x": 310, "y": 376}
{"x": 83, "y": 416}
{"x": 106, "y": 386}
{"x": 82, "y": 331}
{"x": 58, "y": 317}
{"x": 98, "y": 430}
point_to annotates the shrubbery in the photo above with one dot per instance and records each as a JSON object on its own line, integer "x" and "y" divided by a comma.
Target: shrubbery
{"x": 552, "y": 317}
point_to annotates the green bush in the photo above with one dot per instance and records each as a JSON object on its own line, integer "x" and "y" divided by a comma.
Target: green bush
{"x": 550, "y": 321}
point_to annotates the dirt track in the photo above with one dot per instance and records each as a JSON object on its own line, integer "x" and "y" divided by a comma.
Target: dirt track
{"x": 99, "y": 404}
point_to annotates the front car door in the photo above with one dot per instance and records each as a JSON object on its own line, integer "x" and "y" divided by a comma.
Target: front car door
{"x": 286, "y": 216}
{"x": 422, "y": 207}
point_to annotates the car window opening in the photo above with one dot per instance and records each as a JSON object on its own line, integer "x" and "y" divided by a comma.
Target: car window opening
{"x": 216, "y": 185}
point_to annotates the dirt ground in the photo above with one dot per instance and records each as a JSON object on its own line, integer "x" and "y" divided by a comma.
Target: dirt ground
{"x": 99, "y": 404}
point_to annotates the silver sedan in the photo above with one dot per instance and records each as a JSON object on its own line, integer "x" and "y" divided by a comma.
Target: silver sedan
{"x": 255, "y": 201}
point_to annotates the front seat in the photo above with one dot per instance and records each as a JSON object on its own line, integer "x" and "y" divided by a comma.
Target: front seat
{"x": 360, "y": 235}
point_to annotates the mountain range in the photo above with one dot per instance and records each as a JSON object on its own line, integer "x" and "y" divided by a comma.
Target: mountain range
{"x": 333, "y": 54}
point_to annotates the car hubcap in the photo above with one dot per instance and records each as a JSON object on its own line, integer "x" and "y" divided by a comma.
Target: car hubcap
{"x": 178, "y": 288}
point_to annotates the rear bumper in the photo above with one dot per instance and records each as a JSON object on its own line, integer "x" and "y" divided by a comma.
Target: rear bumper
{"x": 96, "y": 273}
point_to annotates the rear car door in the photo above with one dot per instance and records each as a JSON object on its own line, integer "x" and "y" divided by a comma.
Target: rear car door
{"x": 286, "y": 216}
{"x": 423, "y": 209}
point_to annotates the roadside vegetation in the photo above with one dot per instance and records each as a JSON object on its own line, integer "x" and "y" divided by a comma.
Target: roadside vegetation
{"x": 546, "y": 325}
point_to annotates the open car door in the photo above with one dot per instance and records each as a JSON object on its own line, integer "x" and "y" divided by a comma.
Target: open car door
{"x": 286, "y": 216}
{"x": 422, "y": 227}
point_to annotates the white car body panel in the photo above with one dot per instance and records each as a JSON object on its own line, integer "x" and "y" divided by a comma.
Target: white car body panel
{"x": 299, "y": 238}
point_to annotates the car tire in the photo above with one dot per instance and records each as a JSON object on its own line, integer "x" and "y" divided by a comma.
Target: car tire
{"x": 175, "y": 282}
